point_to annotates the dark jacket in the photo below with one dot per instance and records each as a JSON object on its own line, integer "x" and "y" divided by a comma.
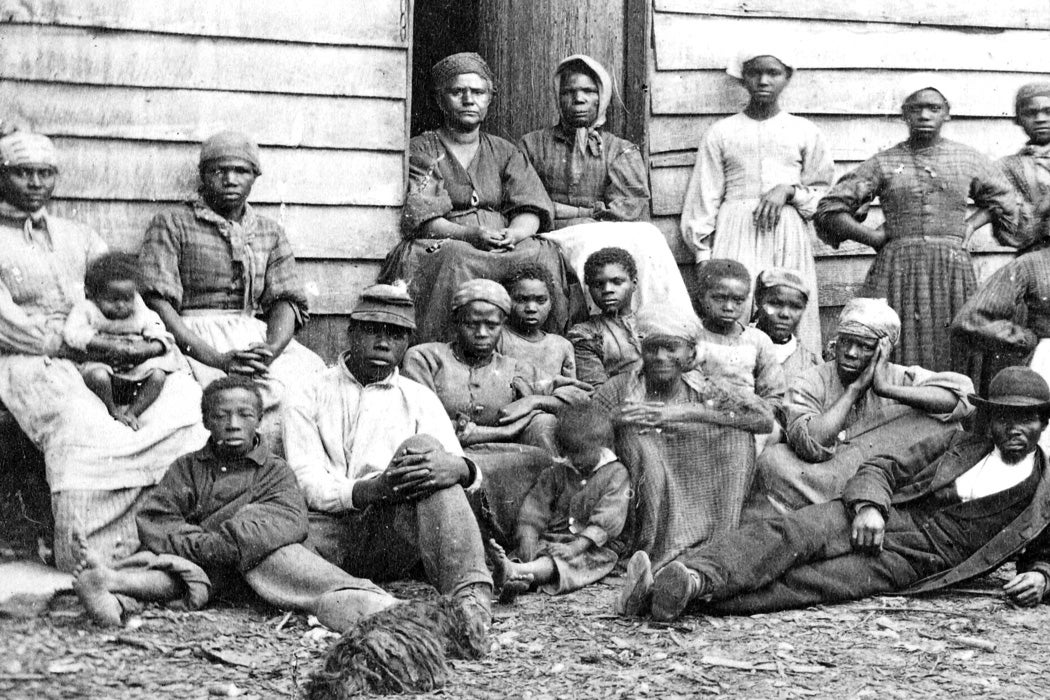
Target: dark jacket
{"x": 221, "y": 513}
{"x": 893, "y": 480}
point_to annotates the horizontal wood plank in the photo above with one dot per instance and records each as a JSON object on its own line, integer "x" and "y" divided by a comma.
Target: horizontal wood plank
{"x": 325, "y": 334}
{"x": 189, "y": 116}
{"x": 332, "y": 287}
{"x": 1020, "y": 14}
{"x": 350, "y": 22}
{"x": 850, "y": 138}
{"x": 83, "y": 56}
{"x": 314, "y": 231}
{"x": 826, "y": 44}
{"x": 841, "y": 92}
{"x": 128, "y": 170}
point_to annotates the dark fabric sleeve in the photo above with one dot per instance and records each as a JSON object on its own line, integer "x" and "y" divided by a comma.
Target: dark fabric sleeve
{"x": 589, "y": 350}
{"x": 878, "y": 478}
{"x": 627, "y": 196}
{"x": 523, "y": 191}
{"x": 1036, "y": 556}
{"x": 276, "y": 517}
{"x": 849, "y": 194}
{"x": 609, "y": 514}
{"x": 164, "y": 529}
{"x": 427, "y": 197}
{"x": 1032, "y": 205}
{"x": 992, "y": 191}
{"x": 159, "y": 260}
{"x": 417, "y": 366}
{"x": 990, "y": 316}
{"x": 282, "y": 280}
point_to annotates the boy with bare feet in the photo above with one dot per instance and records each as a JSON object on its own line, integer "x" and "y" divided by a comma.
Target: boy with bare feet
{"x": 230, "y": 508}
{"x": 572, "y": 515}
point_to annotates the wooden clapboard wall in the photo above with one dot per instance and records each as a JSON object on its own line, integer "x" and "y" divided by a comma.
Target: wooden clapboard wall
{"x": 851, "y": 57}
{"x": 128, "y": 89}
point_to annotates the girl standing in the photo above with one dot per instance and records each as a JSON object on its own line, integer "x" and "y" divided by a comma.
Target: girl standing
{"x": 757, "y": 180}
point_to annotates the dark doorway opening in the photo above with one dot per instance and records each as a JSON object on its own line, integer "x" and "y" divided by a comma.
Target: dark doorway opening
{"x": 439, "y": 28}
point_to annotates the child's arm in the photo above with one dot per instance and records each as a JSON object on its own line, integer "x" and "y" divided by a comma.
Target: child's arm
{"x": 78, "y": 330}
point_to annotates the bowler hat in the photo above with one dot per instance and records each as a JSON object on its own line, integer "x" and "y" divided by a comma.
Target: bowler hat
{"x": 1016, "y": 388}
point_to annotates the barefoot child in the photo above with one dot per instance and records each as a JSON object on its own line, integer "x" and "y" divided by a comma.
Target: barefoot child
{"x": 231, "y": 509}
{"x": 572, "y": 514}
{"x": 780, "y": 300}
{"x": 529, "y": 285}
{"x": 607, "y": 343}
{"x": 114, "y": 307}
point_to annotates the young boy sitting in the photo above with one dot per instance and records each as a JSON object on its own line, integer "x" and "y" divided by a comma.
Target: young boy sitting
{"x": 572, "y": 515}
{"x": 529, "y": 285}
{"x": 230, "y": 508}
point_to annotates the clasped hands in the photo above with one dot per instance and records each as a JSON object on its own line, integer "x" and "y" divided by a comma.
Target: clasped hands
{"x": 498, "y": 240}
{"x": 254, "y": 361}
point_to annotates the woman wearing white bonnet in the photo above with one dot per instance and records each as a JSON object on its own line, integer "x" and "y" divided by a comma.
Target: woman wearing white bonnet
{"x": 757, "y": 180}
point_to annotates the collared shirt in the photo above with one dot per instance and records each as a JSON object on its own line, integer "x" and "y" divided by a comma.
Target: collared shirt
{"x": 221, "y": 512}
{"x": 337, "y": 431}
{"x": 992, "y": 475}
{"x": 605, "y": 346}
{"x": 196, "y": 259}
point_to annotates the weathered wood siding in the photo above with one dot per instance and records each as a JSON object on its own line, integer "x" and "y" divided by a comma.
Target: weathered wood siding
{"x": 128, "y": 90}
{"x": 851, "y": 57}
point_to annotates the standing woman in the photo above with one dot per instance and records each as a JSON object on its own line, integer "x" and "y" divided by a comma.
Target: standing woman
{"x": 599, "y": 185}
{"x": 923, "y": 268}
{"x": 1028, "y": 170}
{"x": 757, "y": 180}
{"x": 99, "y": 471}
{"x": 473, "y": 209}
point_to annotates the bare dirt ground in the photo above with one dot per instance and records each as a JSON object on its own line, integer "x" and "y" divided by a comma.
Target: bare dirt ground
{"x": 961, "y": 645}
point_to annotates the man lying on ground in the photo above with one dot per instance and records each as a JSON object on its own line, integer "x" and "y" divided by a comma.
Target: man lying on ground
{"x": 953, "y": 506}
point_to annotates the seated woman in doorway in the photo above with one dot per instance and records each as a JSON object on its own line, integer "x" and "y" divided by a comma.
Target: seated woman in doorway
{"x": 473, "y": 208}
{"x": 599, "y": 184}
{"x": 99, "y": 470}
{"x": 223, "y": 279}
{"x": 858, "y": 405}
{"x": 503, "y": 409}
{"x": 687, "y": 439}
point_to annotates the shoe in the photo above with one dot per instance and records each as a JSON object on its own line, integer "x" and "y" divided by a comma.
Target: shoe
{"x": 673, "y": 589}
{"x": 637, "y": 590}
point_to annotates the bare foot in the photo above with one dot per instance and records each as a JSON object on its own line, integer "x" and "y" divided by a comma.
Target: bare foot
{"x": 122, "y": 415}
{"x": 91, "y": 583}
{"x": 508, "y": 578}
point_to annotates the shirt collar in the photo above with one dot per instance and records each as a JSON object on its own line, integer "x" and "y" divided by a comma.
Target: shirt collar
{"x": 259, "y": 454}
{"x": 205, "y": 213}
{"x": 391, "y": 382}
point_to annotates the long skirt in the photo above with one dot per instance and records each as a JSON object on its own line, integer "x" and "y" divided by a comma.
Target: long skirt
{"x": 659, "y": 280}
{"x": 790, "y": 245}
{"x": 926, "y": 281}
{"x": 97, "y": 468}
{"x": 233, "y": 330}
{"x": 434, "y": 270}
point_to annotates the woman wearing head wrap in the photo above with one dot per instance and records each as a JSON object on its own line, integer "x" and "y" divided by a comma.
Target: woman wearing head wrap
{"x": 599, "y": 185}
{"x": 923, "y": 268}
{"x": 756, "y": 182}
{"x": 98, "y": 470}
{"x": 473, "y": 208}
{"x": 781, "y": 297}
{"x": 223, "y": 279}
{"x": 1028, "y": 170}
{"x": 851, "y": 408}
{"x": 503, "y": 409}
{"x": 686, "y": 438}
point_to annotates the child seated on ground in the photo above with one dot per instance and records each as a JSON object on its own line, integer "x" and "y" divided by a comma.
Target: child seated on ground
{"x": 780, "y": 300}
{"x": 529, "y": 285}
{"x": 572, "y": 515}
{"x": 114, "y": 307}
{"x": 607, "y": 344}
{"x": 229, "y": 510}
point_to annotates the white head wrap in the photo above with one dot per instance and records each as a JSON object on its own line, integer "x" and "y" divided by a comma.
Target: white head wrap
{"x": 760, "y": 48}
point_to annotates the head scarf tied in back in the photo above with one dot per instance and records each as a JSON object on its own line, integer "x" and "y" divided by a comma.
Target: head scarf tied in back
{"x": 869, "y": 318}
{"x": 587, "y": 137}
{"x": 481, "y": 290}
{"x": 664, "y": 320}
{"x": 735, "y": 69}
{"x": 457, "y": 64}
{"x": 231, "y": 144}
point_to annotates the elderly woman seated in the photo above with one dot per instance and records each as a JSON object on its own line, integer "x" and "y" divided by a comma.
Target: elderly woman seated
{"x": 99, "y": 470}
{"x": 854, "y": 407}
{"x": 599, "y": 185}
{"x": 503, "y": 409}
{"x": 473, "y": 208}
{"x": 687, "y": 439}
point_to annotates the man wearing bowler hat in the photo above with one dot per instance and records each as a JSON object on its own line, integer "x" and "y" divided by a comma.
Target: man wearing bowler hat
{"x": 951, "y": 507}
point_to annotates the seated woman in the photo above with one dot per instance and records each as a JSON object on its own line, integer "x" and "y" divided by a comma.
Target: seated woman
{"x": 473, "y": 208}
{"x": 781, "y": 297}
{"x": 845, "y": 411}
{"x": 99, "y": 471}
{"x": 223, "y": 280}
{"x": 599, "y": 184}
{"x": 503, "y": 409}
{"x": 687, "y": 440}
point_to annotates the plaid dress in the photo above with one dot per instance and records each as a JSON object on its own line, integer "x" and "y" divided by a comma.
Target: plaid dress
{"x": 689, "y": 480}
{"x": 923, "y": 271}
